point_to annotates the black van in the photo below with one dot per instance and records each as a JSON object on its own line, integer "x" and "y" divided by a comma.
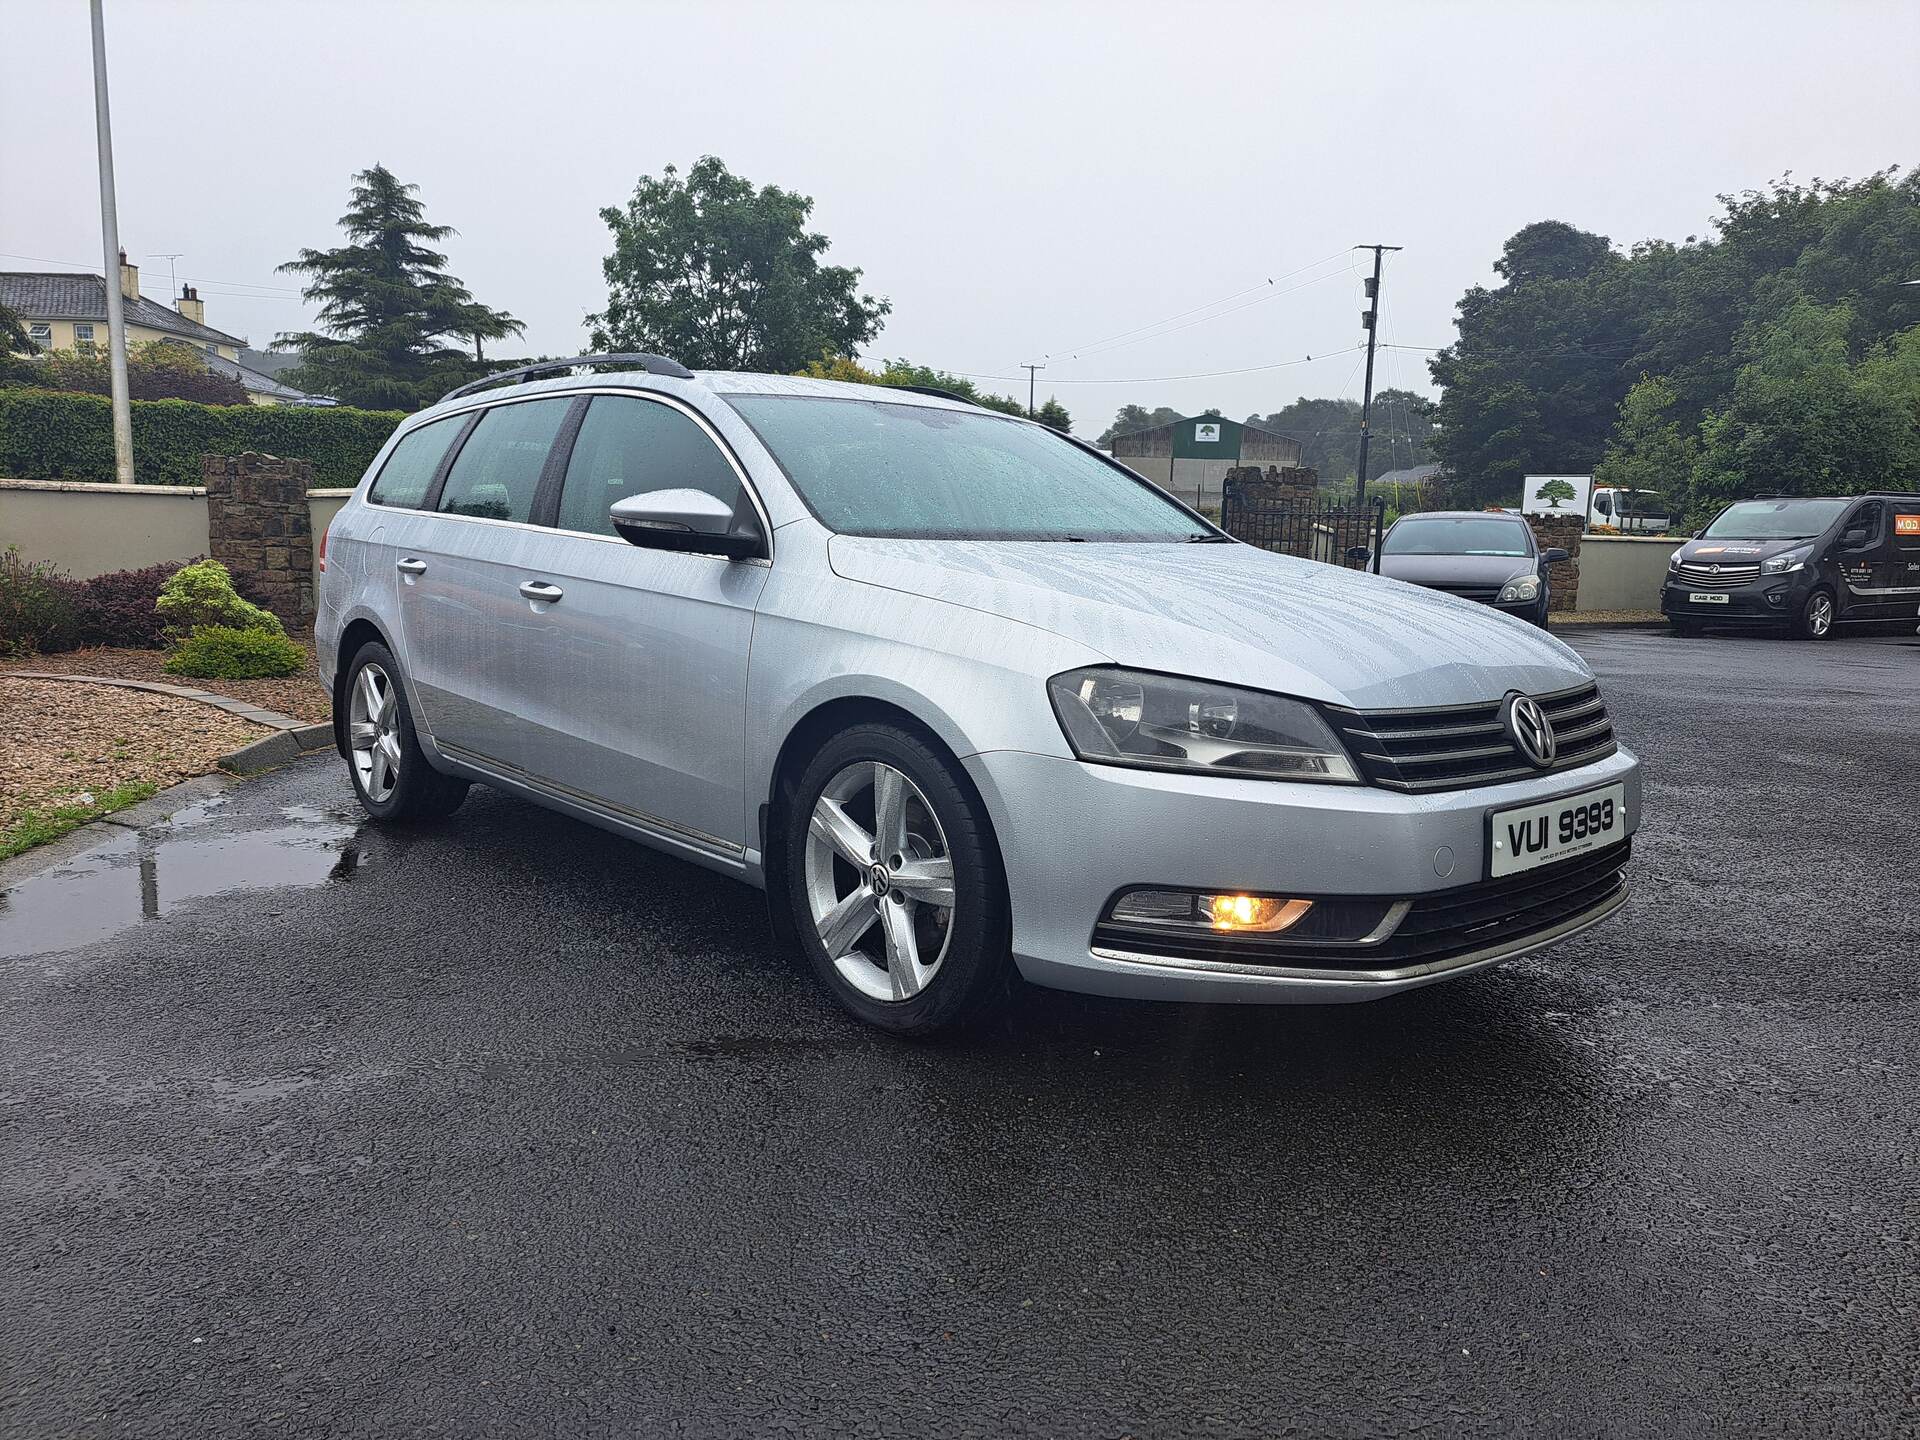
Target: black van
{"x": 1803, "y": 563}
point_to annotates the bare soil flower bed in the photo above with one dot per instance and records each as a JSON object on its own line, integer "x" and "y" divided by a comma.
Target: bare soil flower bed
{"x": 301, "y": 695}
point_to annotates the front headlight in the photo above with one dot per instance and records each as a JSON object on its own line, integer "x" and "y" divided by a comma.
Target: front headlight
{"x": 1673, "y": 560}
{"x": 1787, "y": 562}
{"x": 1163, "y": 722}
{"x": 1525, "y": 587}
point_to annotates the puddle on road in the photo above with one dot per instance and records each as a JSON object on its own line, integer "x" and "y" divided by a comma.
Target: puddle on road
{"x": 135, "y": 876}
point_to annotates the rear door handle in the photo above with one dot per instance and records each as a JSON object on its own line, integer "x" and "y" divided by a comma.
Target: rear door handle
{"x": 541, "y": 590}
{"x": 411, "y": 567}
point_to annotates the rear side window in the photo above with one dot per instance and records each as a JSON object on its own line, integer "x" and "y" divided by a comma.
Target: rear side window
{"x": 404, "y": 479}
{"x": 497, "y": 471}
{"x": 628, "y": 447}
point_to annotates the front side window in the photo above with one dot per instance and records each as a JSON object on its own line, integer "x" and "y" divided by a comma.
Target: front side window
{"x": 498, "y": 470}
{"x": 1774, "y": 520}
{"x": 1868, "y": 518}
{"x": 1465, "y": 535}
{"x": 409, "y": 470}
{"x": 629, "y": 447}
{"x": 869, "y": 467}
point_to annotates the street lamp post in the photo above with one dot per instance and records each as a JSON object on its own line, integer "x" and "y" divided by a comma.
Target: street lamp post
{"x": 110, "y": 248}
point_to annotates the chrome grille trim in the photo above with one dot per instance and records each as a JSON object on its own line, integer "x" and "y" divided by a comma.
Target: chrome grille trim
{"x": 1423, "y": 750}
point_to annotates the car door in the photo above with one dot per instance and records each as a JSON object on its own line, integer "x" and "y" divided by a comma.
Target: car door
{"x": 461, "y": 561}
{"x": 1865, "y": 563}
{"x": 635, "y": 675}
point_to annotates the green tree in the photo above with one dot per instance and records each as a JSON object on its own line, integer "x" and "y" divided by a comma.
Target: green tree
{"x": 1802, "y": 420}
{"x": 1054, "y": 414}
{"x": 1138, "y": 417}
{"x": 905, "y": 372}
{"x": 1650, "y": 448}
{"x": 14, "y": 339}
{"x": 393, "y": 323}
{"x": 723, "y": 276}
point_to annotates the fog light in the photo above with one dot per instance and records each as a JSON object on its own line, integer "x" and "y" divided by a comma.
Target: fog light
{"x": 1256, "y": 914}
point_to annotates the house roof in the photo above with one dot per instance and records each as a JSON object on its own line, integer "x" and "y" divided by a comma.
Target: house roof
{"x": 1412, "y": 476}
{"x": 84, "y": 297}
{"x": 259, "y": 384}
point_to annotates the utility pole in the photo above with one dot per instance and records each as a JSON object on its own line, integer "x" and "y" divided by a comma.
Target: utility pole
{"x": 1368, "y": 319}
{"x": 110, "y": 248}
{"x": 1031, "y": 369}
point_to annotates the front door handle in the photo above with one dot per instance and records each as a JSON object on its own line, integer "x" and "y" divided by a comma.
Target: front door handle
{"x": 541, "y": 590}
{"x": 411, "y": 567}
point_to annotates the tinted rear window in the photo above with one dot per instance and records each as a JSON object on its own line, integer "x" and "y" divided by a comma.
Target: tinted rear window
{"x": 498, "y": 470}
{"x": 404, "y": 479}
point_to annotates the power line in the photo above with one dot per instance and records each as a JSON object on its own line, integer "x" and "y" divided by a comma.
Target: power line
{"x": 77, "y": 265}
{"x": 1167, "y": 379}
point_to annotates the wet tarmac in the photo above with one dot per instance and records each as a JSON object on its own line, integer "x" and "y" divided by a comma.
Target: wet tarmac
{"x": 505, "y": 1126}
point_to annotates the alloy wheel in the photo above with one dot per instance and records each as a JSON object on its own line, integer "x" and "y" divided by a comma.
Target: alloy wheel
{"x": 373, "y": 732}
{"x": 1820, "y": 614}
{"x": 879, "y": 881}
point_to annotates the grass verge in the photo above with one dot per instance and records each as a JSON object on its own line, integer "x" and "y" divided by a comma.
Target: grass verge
{"x": 37, "y": 827}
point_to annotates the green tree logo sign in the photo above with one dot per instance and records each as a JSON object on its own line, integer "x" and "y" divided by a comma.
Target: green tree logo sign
{"x": 1553, "y": 492}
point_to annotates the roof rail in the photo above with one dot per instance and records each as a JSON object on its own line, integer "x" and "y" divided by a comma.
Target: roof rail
{"x": 937, "y": 393}
{"x": 652, "y": 364}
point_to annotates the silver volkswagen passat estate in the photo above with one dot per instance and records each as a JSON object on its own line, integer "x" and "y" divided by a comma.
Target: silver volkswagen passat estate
{"x": 961, "y": 694}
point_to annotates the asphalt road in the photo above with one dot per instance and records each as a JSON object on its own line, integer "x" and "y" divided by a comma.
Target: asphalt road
{"x": 509, "y": 1127}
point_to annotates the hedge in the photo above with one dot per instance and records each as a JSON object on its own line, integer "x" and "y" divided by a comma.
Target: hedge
{"x": 64, "y": 435}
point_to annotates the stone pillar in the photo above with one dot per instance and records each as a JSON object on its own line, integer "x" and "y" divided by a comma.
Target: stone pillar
{"x": 1561, "y": 532}
{"x": 259, "y": 527}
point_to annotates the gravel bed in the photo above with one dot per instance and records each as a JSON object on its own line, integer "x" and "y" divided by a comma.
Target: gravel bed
{"x": 301, "y": 695}
{"x": 59, "y": 740}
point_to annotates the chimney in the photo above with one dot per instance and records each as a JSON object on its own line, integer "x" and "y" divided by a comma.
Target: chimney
{"x": 129, "y": 278}
{"x": 190, "y": 305}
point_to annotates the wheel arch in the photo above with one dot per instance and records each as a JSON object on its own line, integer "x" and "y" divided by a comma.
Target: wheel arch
{"x": 358, "y": 633}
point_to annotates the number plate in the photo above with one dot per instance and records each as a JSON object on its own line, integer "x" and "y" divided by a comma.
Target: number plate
{"x": 1532, "y": 835}
{"x": 1708, "y": 598}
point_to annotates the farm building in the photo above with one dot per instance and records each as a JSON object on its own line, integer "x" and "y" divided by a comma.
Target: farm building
{"x": 1190, "y": 457}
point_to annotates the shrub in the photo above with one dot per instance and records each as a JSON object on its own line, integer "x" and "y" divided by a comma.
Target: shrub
{"x": 202, "y": 594}
{"x": 157, "y": 370}
{"x": 38, "y": 609}
{"x": 219, "y": 652}
{"x": 54, "y": 435}
{"x": 120, "y": 608}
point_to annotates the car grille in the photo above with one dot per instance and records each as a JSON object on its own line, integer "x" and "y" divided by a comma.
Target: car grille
{"x": 1465, "y": 745}
{"x": 1722, "y": 577}
{"x": 1485, "y": 594}
{"x": 1439, "y": 926}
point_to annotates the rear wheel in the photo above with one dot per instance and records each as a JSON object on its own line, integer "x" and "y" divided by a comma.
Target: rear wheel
{"x": 895, "y": 884}
{"x": 390, "y": 772}
{"x": 1815, "y": 620}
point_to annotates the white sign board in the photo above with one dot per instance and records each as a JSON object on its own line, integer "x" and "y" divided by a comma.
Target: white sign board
{"x": 1555, "y": 494}
{"x": 1206, "y": 434}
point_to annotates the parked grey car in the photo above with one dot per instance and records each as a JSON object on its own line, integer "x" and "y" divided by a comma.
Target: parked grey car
{"x": 961, "y": 694}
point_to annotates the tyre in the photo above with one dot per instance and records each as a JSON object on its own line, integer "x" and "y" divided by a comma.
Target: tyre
{"x": 1815, "y": 618}
{"x": 894, "y": 882}
{"x": 390, "y": 773}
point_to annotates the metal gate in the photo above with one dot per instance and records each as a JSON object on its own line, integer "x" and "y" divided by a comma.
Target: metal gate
{"x": 1332, "y": 533}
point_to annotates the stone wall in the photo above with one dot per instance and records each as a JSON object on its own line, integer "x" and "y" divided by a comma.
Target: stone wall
{"x": 1561, "y": 532}
{"x": 1277, "y": 484}
{"x": 260, "y": 528}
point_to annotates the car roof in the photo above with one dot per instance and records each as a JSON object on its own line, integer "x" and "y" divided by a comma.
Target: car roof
{"x": 722, "y": 383}
{"x": 1462, "y": 515}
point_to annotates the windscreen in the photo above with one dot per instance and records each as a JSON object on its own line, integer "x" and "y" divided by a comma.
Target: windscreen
{"x": 1465, "y": 535}
{"x": 1774, "y": 519}
{"x": 867, "y": 467}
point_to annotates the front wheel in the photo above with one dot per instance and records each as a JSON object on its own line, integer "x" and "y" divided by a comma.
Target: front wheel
{"x": 894, "y": 882}
{"x": 390, "y": 772}
{"x": 1815, "y": 620}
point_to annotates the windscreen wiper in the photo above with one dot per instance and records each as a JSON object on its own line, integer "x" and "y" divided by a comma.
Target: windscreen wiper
{"x": 1209, "y": 539}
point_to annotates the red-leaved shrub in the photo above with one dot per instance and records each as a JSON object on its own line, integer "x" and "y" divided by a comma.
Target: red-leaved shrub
{"x": 118, "y": 609}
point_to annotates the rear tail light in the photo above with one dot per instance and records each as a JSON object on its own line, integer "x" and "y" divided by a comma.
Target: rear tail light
{"x": 325, "y": 530}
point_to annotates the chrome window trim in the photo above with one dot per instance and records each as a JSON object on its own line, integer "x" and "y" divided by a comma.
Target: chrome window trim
{"x": 674, "y": 402}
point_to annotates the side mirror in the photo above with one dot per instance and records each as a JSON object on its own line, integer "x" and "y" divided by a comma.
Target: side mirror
{"x": 1358, "y": 552}
{"x": 1856, "y": 535}
{"x": 1553, "y": 556}
{"x": 690, "y": 521}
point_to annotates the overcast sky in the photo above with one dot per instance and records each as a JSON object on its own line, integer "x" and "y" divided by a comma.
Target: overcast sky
{"x": 1024, "y": 182}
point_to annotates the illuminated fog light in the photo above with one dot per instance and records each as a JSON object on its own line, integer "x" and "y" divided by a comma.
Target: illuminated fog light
{"x": 1200, "y": 910}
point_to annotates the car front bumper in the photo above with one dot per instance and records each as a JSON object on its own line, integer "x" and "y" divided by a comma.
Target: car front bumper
{"x": 1774, "y": 600}
{"x": 1074, "y": 835}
